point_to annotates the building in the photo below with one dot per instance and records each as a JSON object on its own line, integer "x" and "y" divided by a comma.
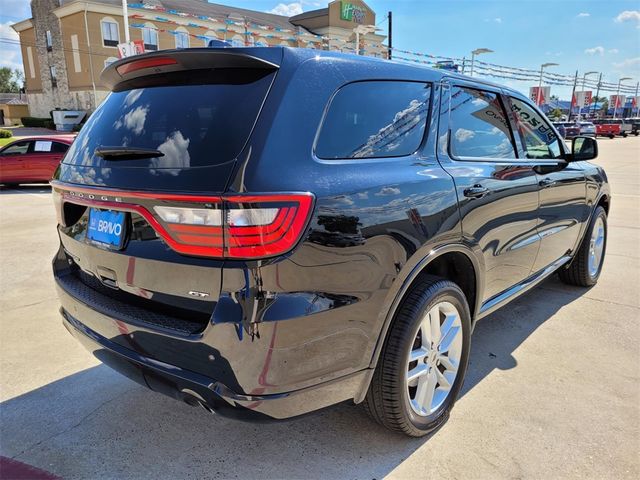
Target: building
{"x": 67, "y": 43}
{"x": 13, "y": 106}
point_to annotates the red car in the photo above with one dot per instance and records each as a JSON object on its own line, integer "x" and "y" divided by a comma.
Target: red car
{"x": 607, "y": 128}
{"x": 32, "y": 159}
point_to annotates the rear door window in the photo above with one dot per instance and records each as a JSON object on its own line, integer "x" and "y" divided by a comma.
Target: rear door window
{"x": 195, "y": 118}
{"x": 374, "y": 119}
{"x": 18, "y": 148}
{"x": 58, "y": 147}
{"x": 538, "y": 138}
{"x": 478, "y": 125}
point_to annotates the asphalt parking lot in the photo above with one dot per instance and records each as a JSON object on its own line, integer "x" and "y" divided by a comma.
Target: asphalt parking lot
{"x": 553, "y": 389}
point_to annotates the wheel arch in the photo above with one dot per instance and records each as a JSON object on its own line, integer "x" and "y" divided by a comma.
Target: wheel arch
{"x": 455, "y": 262}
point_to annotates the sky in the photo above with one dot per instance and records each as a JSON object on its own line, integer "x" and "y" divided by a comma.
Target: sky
{"x": 583, "y": 35}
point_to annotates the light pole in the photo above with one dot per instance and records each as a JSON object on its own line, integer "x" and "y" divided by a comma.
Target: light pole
{"x": 478, "y": 51}
{"x": 125, "y": 15}
{"x": 615, "y": 105}
{"x": 362, "y": 29}
{"x": 584, "y": 85}
{"x": 542, "y": 67}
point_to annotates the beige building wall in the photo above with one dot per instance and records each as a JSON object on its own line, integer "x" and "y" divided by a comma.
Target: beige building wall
{"x": 79, "y": 54}
{"x": 30, "y": 60}
{"x": 13, "y": 113}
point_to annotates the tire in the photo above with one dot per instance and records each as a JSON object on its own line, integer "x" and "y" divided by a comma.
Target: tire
{"x": 390, "y": 400}
{"x": 581, "y": 272}
{"x": 612, "y": 136}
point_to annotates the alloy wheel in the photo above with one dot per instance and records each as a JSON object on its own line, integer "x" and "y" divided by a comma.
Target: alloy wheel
{"x": 432, "y": 366}
{"x": 596, "y": 247}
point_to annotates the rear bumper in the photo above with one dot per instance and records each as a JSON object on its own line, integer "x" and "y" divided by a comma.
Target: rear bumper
{"x": 196, "y": 389}
{"x": 188, "y": 385}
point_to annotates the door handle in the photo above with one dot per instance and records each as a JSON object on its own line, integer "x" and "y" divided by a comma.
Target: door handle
{"x": 477, "y": 191}
{"x": 547, "y": 182}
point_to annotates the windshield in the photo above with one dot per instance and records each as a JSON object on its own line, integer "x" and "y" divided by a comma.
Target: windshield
{"x": 198, "y": 120}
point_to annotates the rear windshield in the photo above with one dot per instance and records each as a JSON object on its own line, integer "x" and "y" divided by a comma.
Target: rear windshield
{"x": 196, "y": 119}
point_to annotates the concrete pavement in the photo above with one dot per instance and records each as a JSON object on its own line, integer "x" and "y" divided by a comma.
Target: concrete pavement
{"x": 553, "y": 388}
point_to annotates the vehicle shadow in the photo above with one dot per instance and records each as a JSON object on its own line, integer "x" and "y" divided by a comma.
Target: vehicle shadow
{"x": 96, "y": 423}
{"x": 24, "y": 189}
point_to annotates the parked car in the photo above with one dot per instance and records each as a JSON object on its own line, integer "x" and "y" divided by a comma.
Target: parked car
{"x": 568, "y": 130}
{"x": 625, "y": 127}
{"x": 587, "y": 129}
{"x": 32, "y": 159}
{"x": 607, "y": 128}
{"x": 265, "y": 253}
{"x": 635, "y": 125}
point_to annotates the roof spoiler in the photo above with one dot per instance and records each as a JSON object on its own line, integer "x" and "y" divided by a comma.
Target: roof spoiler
{"x": 167, "y": 61}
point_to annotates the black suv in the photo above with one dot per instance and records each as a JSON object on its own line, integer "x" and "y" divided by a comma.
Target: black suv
{"x": 265, "y": 232}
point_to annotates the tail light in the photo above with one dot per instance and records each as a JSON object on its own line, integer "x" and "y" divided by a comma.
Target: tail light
{"x": 153, "y": 62}
{"x": 237, "y": 226}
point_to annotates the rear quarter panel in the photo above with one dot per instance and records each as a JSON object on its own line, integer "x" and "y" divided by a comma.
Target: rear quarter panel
{"x": 325, "y": 304}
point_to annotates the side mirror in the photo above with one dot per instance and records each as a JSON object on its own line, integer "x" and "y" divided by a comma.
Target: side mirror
{"x": 583, "y": 148}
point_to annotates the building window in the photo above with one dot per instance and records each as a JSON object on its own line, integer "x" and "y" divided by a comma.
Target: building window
{"x": 48, "y": 40}
{"x": 182, "y": 38}
{"x": 237, "y": 41}
{"x": 150, "y": 37}
{"x": 260, "y": 42}
{"x": 110, "y": 32}
{"x": 208, "y": 36}
{"x": 54, "y": 77}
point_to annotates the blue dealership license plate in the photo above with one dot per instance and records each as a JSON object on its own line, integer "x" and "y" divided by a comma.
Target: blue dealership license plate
{"x": 106, "y": 227}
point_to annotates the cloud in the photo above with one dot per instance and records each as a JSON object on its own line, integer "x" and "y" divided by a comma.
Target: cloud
{"x": 134, "y": 120}
{"x": 629, "y": 62}
{"x": 629, "y": 15}
{"x": 613, "y": 50}
{"x": 388, "y": 191}
{"x": 287, "y": 9}
{"x": 497, "y": 20}
{"x": 11, "y": 55}
{"x": 176, "y": 155}
{"x": 583, "y": 14}
{"x": 595, "y": 51}
{"x": 462, "y": 134}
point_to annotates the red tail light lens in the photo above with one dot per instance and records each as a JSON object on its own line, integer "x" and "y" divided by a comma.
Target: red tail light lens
{"x": 238, "y": 226}
{"x": 145, "y": 63}
{"x": 264, "y": 226}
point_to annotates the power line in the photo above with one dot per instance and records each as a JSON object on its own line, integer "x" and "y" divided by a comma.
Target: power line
{"x": 483, "y": 68}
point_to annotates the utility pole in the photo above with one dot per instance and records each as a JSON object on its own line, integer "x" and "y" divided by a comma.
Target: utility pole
{"x": 478, "y": 51}
{"x": 615, "y": 104}
{"x": 597, "y": 93}
{"x": 542, "y": 67}
{"x": 636, "y": 100}
{"x": 573, "y": 94}
{"x": 390, "y": 39}
{"x": 125, "y": 15}
{"x": 584, "y": 87}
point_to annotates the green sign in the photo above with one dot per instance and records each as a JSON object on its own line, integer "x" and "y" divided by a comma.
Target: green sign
{"x": 351, "y": 13}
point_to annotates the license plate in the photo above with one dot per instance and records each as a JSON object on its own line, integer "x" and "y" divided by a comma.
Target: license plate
{"x": 106, "y": 227}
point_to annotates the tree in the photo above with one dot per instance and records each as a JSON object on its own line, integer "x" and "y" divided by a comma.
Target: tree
{"x": 11, "y": 81}
{"x": 555, "y": 113}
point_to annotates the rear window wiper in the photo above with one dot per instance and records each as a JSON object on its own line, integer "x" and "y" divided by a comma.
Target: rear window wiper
{"x": 126, "y": 153}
